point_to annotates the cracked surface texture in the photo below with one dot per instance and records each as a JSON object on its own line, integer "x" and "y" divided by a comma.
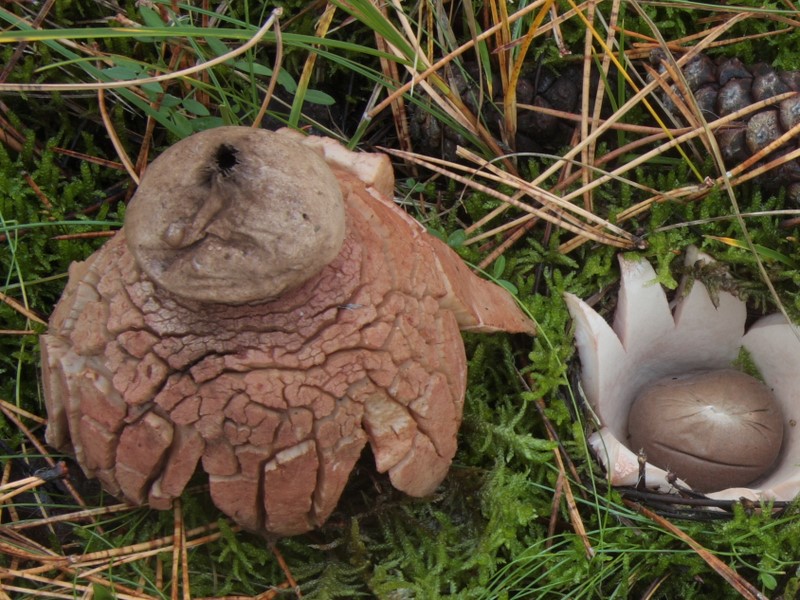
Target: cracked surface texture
{"x": 275, "y": 400}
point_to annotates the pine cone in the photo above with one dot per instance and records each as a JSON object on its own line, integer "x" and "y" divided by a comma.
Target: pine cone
{"x": 720, "y": 87}
{"x": 725, "y": 86}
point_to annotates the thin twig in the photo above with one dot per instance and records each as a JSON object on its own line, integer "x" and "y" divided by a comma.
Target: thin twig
{"x": 741, "y": 585}
{"x": 110, "y": 85}
{"x": 115, "y": 141}
{"x": 23, "y": 310}
{"x": 450, "y": 56}
{"x": 276, "y": 68}
{"x": 41, "y": 449}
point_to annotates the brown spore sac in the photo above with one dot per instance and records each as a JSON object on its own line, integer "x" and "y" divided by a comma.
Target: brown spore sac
{"x": 714, "y": 429}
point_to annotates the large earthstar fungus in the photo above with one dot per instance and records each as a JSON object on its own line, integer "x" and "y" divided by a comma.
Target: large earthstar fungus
{"x": 673, "y": 410}
{"x": 265, "y": 311}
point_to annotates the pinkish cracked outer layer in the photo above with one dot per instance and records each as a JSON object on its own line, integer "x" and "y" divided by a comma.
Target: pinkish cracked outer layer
{"x": 275, "y": 400}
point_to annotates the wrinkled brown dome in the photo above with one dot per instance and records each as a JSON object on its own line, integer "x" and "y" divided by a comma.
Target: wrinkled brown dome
{"x": 276, "y": 398}
{"x": 235, "y": 215}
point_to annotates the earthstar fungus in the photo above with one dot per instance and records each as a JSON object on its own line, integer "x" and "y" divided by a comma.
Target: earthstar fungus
{"x": 661, "y": 379}
{"x": 267, "y": 311}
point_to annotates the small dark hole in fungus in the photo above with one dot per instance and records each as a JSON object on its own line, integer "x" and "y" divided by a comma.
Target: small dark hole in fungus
{"x": 225, "y": 159}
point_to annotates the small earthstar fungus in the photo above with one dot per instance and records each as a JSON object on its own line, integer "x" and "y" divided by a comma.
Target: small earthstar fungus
{"x": 662, "y": 382}
{"x": 266, "y": 311}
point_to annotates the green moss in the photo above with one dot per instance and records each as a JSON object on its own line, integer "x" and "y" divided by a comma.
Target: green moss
{"x": 496, "y": 528}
